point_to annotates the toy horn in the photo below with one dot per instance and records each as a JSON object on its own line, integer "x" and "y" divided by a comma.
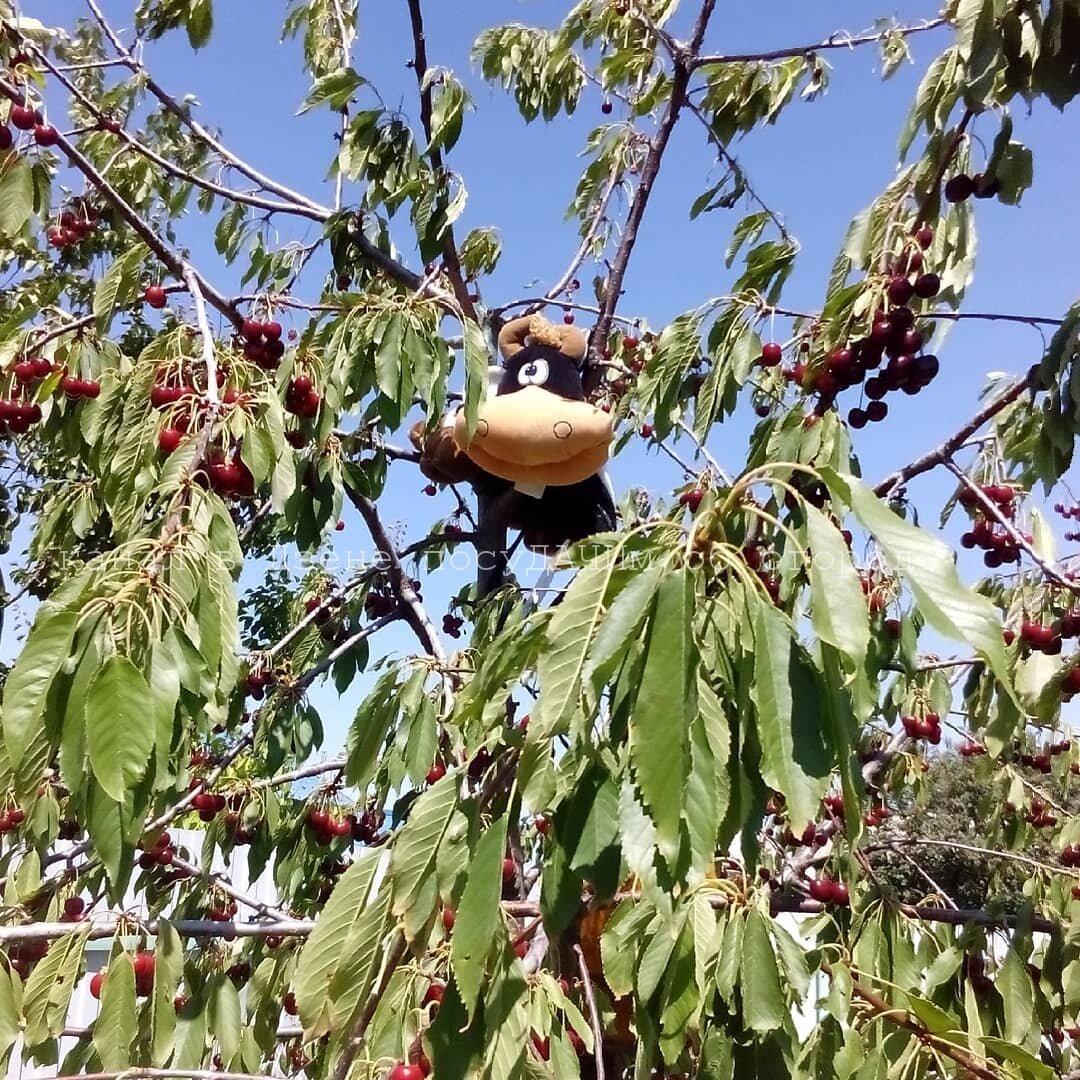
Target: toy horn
{"x": 569, "y": 340}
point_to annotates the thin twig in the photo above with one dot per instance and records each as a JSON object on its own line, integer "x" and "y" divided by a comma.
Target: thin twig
{"x": 946, "y": 449}
{"x": 594, "y": 1014}
{"x": 833, "y": 41}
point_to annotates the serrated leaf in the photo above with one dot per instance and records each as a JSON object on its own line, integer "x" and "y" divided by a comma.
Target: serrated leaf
{"x": 412, "y": 858}
{"x": 45, "y": 650}
{"x": 16, "y": 193}
{"x": 658, "y": 729}
{"x": 477, "y": 359}
{"x": 926, "y": 564}
{"x": 1017, "y": 1055}
{"x": 48, "y": 990}
{"x": 478, "y": 914}
{"x": 1018, "y": 997}
{"x": 839, "y": 611}
{"x": 168, "y": 972}
{"x": 333, "y": 89}
{"x": 223, "y": 1014}
{"x": 794, "y": 758}
{"x": 119, "y": 729}
{"x": 10, "y": 1029}
{"x": 117, "y": 1024}
{"x": 561, "y": 665}
{"x": 764, "y": 1007}
{"x": 117, "y": 286}
{"x": 324, "y": 950}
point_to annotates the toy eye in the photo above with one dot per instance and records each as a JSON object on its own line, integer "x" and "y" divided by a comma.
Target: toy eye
{"x": 534, "y": 373}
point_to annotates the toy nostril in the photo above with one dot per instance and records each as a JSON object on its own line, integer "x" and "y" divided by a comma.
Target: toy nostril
{"x": 481, "y": 428}
{"x": 563, "y": 429}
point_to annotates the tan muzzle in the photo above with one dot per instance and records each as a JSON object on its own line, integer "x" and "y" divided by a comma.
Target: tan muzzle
{"x": 537, "y": 437}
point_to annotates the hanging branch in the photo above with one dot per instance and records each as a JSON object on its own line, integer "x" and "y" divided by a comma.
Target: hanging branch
{"x": 839, "y": 40}
{"x": 658, "y": 144}
{"x": 954, "y": 442}
{"x": 451, "y": 262}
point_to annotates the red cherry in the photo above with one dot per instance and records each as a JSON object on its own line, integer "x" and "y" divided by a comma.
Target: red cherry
{"x": 958, "y": 188}
{"x": 924, "y": 237}
{"x": 23, "y": 117}
{"x": 144, "y": 965}
{"x": 509, "y": 871}
{"x": 289, "y": 1003}
{"x": 434, "y": 995}
{"x": 606, "y": 108}
{"x": 46, "y": 135}
{"x": 300, "y": 386}
{"x": 95, "y": 984}
{"x": 7, "y": 140}
{"x": 521, "y": 950}
{"x": 448, "y": 918}
{"x": 927, "y": 286}
{"x": 74, "y": 906}
{"x": 169, "y": 439}
{"x": 771, "y": 354}
{"x": 646, "y": 431}
{"x": 568, "y": 318}
{"x": 272, "y": 330}
{"x": 252, "y": 329}
{"x": 821, "y": 889}
{"x": 630, "y": 342}
{"x": 155, "y": 296}
{"x": 900, "y": 290}
{"x": 319, "y": 820}
{"x": 401, "y": 1071}
{"x": 436, "y": 773}
{"x": 692, "y": 499}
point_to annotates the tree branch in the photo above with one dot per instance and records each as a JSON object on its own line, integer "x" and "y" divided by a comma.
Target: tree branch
{"x": 838, "y": 40}
{"x": 952, "y": 444}
{"x": 451, "y": 262}
{"x": 679, "y": 82}
{"x": 594, "y": 1014}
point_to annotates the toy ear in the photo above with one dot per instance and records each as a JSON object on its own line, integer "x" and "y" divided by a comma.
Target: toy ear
{"x": 514, "y": 336}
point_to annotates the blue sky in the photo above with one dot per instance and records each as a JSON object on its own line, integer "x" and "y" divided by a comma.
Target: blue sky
{"x": 819, "y": 165}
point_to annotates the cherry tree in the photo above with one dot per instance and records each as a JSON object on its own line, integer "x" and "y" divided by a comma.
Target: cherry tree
{"x": 630, "y": 825}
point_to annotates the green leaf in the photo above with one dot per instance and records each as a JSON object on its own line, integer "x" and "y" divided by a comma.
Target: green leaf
{"x": 1018, "y": 997}
{"x": 117, "y": 287}
{"x": 561, "y": 665}
{"x": 116, "y": 1025}
{"x": 839, "y": 609}
{"x": 478, "y": 914}
{"x": 369, "y": 730}
{"x": 794, "y": 758}
{"x": 333, "y": 89}
{"x": 324, "y": 950}
{"x": 45, "y": 650}
{"x": 223, "y": 1014}
{"x": 927, "y": 566}
{"x": 621, "y": 624}
{"x": 447, "y": 112}
{"x": 360, "y": 960}
{"x": 477, "y": 359}
{"x": 47, "y": 994}
{"x": 764, "y": 1008}
{"x": 933, "y": 1018}
{"x": 16, "y": 193}
{"x": 659, "y": 743}
{"x": 412, "y": 859}
{"x": 619, "y": 945}
{"x": 1008, "y": 1051}
{"x": 9, "y": 1016}
{"x": 168, "y": 971}
{"x": 120, "y": 707}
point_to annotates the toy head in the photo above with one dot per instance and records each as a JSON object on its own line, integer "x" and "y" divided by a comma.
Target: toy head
{"x": 538, "y": 429}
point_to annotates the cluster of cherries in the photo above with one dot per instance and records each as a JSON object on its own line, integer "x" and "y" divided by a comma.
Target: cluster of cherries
{"x": 1044, "y": 761}
{"x": 144, "y": 965}
{"x": 927, "y": 726}
{"x": 11, "y": 818}
{"x": 22, "y": 955}
{"x": 161, "y": 852}
{"x": 27, "y": 118}
{"x": 301, "y": 397}
{"x": 208, "y": 805}
{"x": 961, "y": 187}
{"x": 892, "y": 334}
{"x": 325, "y": 826}
{"x": 257, "y": 683}
{"x": 262, "y": 343}
{"x": 222, "y": 908}
{"x": 1042, "y": 637}
{"x": 227, "y": 475}
{"x": 991, "y": 537}
{"x": 452, "y": 625}
{"x": 827, "y": 891}
{"x": 379, "y": 603}
{"x": 72, "y": 226}
{"x": 754, "y": 558}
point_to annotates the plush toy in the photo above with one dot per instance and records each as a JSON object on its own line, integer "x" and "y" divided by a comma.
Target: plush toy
{"x": 539, "y": 447}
